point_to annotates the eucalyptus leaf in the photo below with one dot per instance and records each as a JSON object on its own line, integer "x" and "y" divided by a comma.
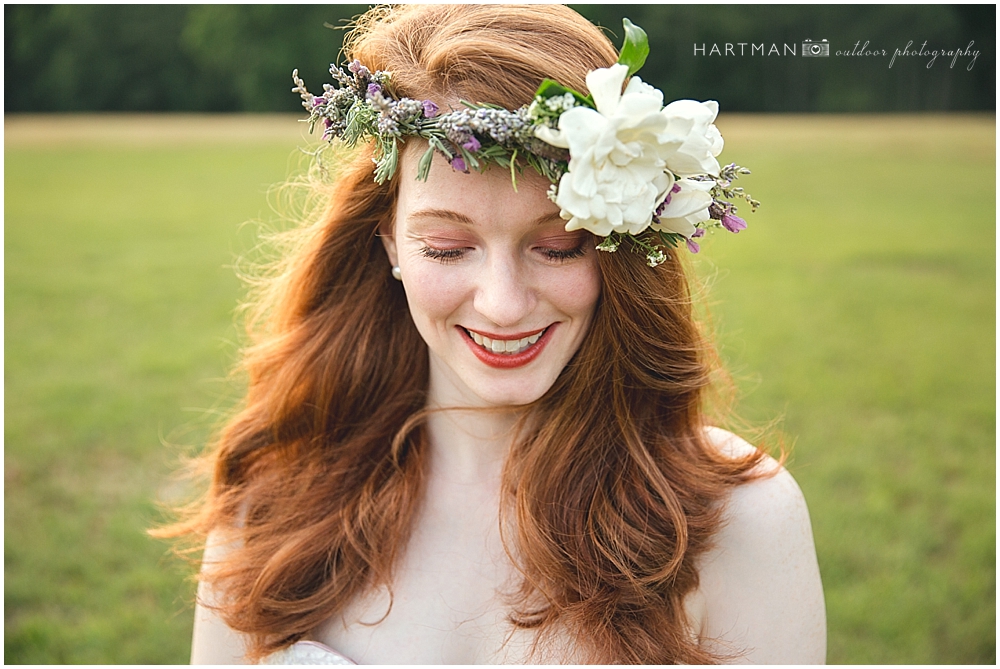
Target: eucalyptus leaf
{"x": 635, "y": 49}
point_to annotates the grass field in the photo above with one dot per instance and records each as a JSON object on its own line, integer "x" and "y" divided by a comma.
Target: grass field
{"x": 860, "y": 306}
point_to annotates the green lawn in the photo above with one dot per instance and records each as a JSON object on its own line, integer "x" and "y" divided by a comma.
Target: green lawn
{"x": 859, "y": 306}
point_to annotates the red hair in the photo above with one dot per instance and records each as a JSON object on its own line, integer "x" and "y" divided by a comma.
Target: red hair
{"x": 610, "y": 492}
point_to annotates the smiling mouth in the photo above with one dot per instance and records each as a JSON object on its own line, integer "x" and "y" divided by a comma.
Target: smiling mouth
{"x": 505, "y": 346}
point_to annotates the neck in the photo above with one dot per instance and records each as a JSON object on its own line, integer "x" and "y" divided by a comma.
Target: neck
{"x": 470, "y": 446}
{"x": 468, "y": 439}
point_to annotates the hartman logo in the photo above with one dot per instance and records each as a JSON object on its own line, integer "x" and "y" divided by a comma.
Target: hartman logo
{"x": 808, "y": 48}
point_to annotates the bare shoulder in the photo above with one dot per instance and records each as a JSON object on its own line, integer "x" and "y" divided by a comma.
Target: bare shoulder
{"x": 755, "y": 506}
{"x": 760, "y": 595}
{"x": 735, "y": 446}
{"x": 213, "y": 641}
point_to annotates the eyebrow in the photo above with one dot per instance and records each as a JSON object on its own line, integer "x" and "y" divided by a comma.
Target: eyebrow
{"x": 458, "y": 217}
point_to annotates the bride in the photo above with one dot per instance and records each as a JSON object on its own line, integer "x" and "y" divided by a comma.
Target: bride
{"x": 470, "y": 435}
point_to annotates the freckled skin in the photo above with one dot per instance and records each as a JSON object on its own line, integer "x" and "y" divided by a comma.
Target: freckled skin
{"x": 493, "y": 260}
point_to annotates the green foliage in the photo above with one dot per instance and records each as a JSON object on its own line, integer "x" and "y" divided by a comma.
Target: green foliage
{"x": 835, "y": 84}
{"x": 254, "y": 48}
{"x": 635, "y": 48}
{"x": 166, "y": 57}
{"x": 238, "y": 57}
{"x": 104, "y": 57}
{"x": 549, "y": 88}
{"x": 854, "y": 305}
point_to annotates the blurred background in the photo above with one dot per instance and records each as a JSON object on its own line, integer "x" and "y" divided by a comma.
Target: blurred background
{"x": 232, "y": 58}
{"x": 858, "y": 308}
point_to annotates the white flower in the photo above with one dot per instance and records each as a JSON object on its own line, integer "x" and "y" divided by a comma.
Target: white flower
{"x": 688, "y": 205}
{"x": 624, "y": 155}
{"x": 616, "y": 174}
{"x": 691, "y": 124}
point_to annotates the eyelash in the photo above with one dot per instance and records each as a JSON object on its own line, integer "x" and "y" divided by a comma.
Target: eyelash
{"x": 560, "y": 255}
{"x": 454, "y": 255}
{"x": 442, "y": 255}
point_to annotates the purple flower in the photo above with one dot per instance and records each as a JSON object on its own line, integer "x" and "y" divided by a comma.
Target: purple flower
{"x": 733, "y": 223}
{"x": 327, "y": 123}
{"x": 359, "y": 70}
{"x": 675, "y": 189}
{"x": 472, "y": 145}
{"x": 317, "y": 101}
{"x": 373, "y": 89}
{"x": 458, "y": 164}
{"x": 430, "y": 109}
{"x": 693, "y": 246}
{"x": 700, "y": 232}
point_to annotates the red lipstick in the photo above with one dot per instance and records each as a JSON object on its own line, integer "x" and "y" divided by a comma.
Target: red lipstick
{"x": 508, "y": 360}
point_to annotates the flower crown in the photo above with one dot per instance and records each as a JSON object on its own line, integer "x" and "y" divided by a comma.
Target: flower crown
{"x": 622, "y": 165}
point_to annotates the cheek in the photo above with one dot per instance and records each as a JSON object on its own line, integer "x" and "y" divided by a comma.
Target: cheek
{"x": 576, "y": 292}
{"x": 433, "y": 293}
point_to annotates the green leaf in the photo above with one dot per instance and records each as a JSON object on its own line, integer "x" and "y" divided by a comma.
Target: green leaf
{"x": 670, "y": 239}
{"x": 635, "y": 49}
{"x": 424, "y": 166}
{"x": 440, "y": 146}
{"x": 513, "y": 173}
{"x": 551, "y": 88}
{"x": 471, "y": 162}
{"x": 387, "y": 162}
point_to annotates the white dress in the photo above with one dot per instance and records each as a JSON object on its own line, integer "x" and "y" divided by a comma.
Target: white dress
{"x": 307, "y": 652}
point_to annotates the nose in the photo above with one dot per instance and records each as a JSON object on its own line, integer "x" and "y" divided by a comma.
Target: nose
{"x": 504, "y": 293}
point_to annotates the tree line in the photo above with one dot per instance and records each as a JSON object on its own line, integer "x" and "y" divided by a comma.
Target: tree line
{"x": 227, "y": 58}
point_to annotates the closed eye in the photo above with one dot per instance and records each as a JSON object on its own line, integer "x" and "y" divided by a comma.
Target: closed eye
{"x": 564, "y": 254}
{"x": 442, "y": 255}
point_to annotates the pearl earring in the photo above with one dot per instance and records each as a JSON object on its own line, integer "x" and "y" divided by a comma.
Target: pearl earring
{"x": 396, "y": 274}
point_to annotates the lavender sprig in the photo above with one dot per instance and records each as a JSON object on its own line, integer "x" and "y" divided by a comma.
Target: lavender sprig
{"x": 361, "y": 106}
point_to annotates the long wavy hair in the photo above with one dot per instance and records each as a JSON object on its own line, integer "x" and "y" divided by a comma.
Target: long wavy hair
{"x": 610, "y": 492}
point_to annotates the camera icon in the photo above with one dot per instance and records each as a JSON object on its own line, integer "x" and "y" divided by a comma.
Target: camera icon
{"x": 813, "y": 49}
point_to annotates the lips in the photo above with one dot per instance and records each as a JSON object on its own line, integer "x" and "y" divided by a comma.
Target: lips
{"x": 505, "y": 346}
{"x": 507, "y": 351}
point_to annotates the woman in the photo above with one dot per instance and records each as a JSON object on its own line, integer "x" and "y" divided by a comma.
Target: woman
{"x": 470, "y": 436}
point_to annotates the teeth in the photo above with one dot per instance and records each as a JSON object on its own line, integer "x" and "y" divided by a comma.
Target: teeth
{"x": 508, "y": 346}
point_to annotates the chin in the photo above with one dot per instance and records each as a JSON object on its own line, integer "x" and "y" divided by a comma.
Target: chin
{"x": 496, "y": 395}
{"x": 474, "y": 384}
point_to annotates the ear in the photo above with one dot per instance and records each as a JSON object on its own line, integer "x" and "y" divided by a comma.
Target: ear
{"x": 385, "y": 233}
